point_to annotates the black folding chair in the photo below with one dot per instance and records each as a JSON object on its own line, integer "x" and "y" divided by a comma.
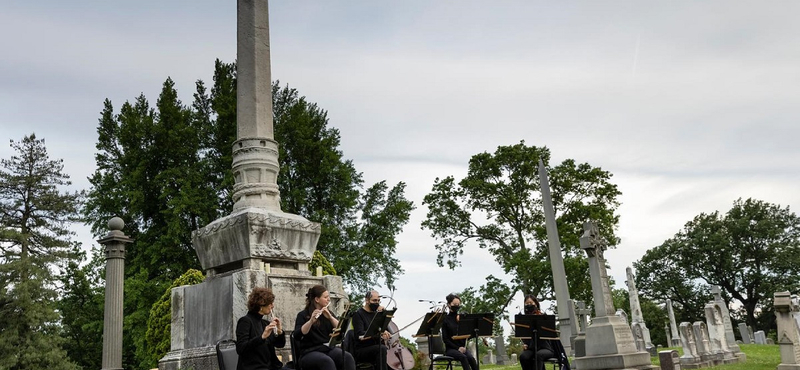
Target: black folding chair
{"x": 295, "y": 352}
{"x": 349, "y": 346}
{"x": 226, "y": 354}
{"x": 437, "y": 356}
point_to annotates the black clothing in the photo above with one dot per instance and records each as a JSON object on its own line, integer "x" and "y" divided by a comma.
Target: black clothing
{"x": 313, "y": 346}
{"x": 449, "y": 329}
{"x": 545, "y": 349}
{"x": 369, "y": 350}
{"x": 256, "y": 353}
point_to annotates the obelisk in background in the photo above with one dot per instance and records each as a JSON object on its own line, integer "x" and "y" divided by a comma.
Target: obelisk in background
{"x": 556, "y": 261}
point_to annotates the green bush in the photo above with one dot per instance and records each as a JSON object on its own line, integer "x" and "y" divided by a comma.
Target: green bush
{"x": 159, "y": 324}
{"x": 320, "y": 260}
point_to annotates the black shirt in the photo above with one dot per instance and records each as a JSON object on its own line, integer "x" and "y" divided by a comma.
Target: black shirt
{"x": 361, "y": 321}
{"x": 449, "y": 329}
{"x": 317, "y": 337}
{"x": 254, "y": 351}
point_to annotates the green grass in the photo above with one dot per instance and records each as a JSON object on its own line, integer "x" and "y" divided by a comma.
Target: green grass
{"x": 759, "y": 357}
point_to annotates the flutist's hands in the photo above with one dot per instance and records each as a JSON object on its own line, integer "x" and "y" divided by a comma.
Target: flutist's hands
{"x": 278, "y": 326}
{"x": 270, "y": 329}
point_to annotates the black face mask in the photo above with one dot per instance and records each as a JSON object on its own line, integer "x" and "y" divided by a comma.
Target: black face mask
{"x": 374, "y": 306}
{"x": 454, "y": 309}
{"x": 529, "y": 308}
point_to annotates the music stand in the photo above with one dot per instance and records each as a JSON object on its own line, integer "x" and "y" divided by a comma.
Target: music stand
{"x": 337, "y": 335}
{"x": 430, "y": 327}
{"x": 379, "y": 323}
{"x": 474, "y": 325}
{"x": 535, "y": 327}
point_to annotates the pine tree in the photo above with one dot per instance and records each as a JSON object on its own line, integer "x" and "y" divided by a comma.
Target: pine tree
{"x": 35, "y": 215}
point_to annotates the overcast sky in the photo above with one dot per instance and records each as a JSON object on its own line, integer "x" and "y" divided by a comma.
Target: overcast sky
{"x": 689, "y": 104}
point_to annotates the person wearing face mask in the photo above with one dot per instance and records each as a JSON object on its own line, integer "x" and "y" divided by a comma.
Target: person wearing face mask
{"x": 456, "y": 348}
{"x": 533, "y": 357}
{"x": 369, "y": 349}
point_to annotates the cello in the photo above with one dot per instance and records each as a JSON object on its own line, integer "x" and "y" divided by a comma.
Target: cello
{"x": 398, "y": 357}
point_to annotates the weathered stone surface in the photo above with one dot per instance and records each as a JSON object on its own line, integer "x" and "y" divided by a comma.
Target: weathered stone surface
{"x": 744, "y": 333}
{"x": 760, "y": 337}
{"x": 114, "y": 249}
{"x": 786, "y": 311}
{"x": 669, "y": 360}
{"x": 722, "y": 306}
{"x": 640, "y": 331}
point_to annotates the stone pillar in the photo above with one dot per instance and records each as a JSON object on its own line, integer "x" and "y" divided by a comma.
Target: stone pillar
{"x": 609, "y": 341}
{"x": 637, "y": 318}
{"x": 672, "y": 325}
{"x": 114, "y": 249}
{"x": 556, "y": 261}
{"x": 788, "y": 331}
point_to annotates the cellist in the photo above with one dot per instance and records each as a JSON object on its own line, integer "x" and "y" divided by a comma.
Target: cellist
{"x": 367, "y": 349}
{"x": 456, "y": 348}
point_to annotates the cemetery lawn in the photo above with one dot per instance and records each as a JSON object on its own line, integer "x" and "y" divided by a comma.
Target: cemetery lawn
{"x": 759, "y": 357}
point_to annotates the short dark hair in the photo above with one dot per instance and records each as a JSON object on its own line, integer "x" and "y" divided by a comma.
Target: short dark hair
{"x": 260, "y": 297}
{"x": 450, "y": 297}
{"x": 368, "y": 294}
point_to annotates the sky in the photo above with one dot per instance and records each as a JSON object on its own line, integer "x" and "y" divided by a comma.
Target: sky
{"x": 690, "y": 105}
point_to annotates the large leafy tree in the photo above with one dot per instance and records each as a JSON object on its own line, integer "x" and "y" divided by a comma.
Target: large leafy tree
{"x": 751, "y": 251}
{"x": 166, "y": 171}
{"x": 498, "y": 206}
{"x": 35, "y": 243}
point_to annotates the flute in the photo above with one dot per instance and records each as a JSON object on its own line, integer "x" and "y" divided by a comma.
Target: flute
{"x": 320, "y": 311}
{"x": 271, "y": 319}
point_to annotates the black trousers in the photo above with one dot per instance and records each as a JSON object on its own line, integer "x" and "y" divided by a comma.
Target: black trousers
{"x": 467, "y": 359}
{"x": 535, "y": 361}
{"x": 335, "y": 359}
{"x": 374, "y": 354}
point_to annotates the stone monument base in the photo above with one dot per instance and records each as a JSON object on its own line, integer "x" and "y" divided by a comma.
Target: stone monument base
{"x": 628, "y": 361}
{"x": 610, "y": 345}
{"x": 194, "y": 358}
{"x": 787, "y": 367}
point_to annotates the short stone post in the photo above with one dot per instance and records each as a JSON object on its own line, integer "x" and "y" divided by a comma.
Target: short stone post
{"x": 114, "y": 244}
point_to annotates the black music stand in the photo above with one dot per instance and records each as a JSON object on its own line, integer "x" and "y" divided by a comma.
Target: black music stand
{"x": 475, "y": 325}
{"x": 430, "y": 327}
{"x": 337, "y": 335}
{"x": 535, "y": 326}
{"x": 379, "y": 323}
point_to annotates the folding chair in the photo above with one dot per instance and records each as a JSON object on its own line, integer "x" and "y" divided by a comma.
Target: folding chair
{"x": 226, "y": 354}
{"x": 295, "y": 352}
{"x": 437, "y": 356}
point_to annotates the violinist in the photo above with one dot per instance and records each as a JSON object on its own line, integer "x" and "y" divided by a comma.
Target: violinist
{"x": 256, "y": 338}
{"x": 456, "y": 348}
{"x": 529, "y": 359}
{"x": 368, "y": 349}
{"x": 312, "y": 331}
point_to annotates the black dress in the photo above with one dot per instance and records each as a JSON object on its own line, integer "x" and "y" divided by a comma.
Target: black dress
{"x": 449, "y": 329}
{"x": 313, "y": 349}
{"x": 256, "y": 353}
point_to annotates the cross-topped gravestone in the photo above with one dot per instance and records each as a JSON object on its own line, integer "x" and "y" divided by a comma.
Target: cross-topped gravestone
{"x": 609, "y": 340}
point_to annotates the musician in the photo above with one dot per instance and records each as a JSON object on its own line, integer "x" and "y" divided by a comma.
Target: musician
{"x": 256, "y": 338}
{"x": 369, "y": 349}
{"x": 312, "y": 331}
{"x": 544, "y": 350}
{"x": 456, "y": 348}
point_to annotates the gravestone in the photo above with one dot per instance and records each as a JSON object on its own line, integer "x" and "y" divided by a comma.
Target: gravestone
{"x": 703, "y": 345}
{"x": 673, "y": 325}
{"x": 609, "y": 341}
{"x": 500, "y": 347}
{"x": 744, "y": 333}
{"x": 760, "y": 337}
{"x": 669, "y": 337}
{"x": 730, "y": 337}
{"x": 640, "y": 331}
{"x": 622, "y": 315}
{"x": 583, "y": 322}
{"x": 257, "y": 244}
{"x": 718, "y": 342}
{"x": 513, "y": 359}
{"x": 786, "y": 311}
{"x": 690, "y": 359}
{"x": 669, "y": 360}
{"x": 488, "y": 358}
{"x": 770, "y": 341}
{"x": 574, "y": 328}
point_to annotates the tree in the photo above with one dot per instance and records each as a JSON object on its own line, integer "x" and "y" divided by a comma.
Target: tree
{"x": 81, "y": 306}
{"x": 751, "y": 251}
{"x": 166, "y": 170}
{"x": 498, "y": 206}
{"x": 35, "y": 215}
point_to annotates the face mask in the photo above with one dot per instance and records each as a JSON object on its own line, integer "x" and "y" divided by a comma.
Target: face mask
{"x": 454, "y": 308}
{"x": 529, "y": 308}
{"x": 374, "y": 306}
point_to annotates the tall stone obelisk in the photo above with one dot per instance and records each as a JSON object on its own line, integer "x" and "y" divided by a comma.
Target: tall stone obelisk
{"x": 673, "y": 326}
{"x": 114, "y": 249}
{"x": 609, "y": 340}
{"x": 637, "y": 318}
{"x": 556, "y": 261}
{"x": 257, "y": 245}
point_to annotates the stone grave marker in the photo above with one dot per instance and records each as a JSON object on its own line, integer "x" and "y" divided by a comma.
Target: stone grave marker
{"x": 761, "y": 337}
{"x": 669, "y": 360}
{"x": 786, "y": 310}
{"x": 744, "y": 333}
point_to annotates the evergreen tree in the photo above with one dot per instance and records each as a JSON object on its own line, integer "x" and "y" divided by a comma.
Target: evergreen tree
{"x": 35, "y": 215}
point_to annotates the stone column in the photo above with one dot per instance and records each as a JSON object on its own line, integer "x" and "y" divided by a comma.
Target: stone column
{"x": 114, "y": 248}
{"x": 788, "y": 331}
{"x": 609, "y": 341}
{"x": 556, "y": 261}
{"x": 637, "y": 318}
{"x": 672, "y": 325}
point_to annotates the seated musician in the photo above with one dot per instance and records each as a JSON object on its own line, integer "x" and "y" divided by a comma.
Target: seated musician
{"x": 534, "y": 356}
{"x": 312, "y": 331}
{"x": 256, "y": 338}
{"x": 369, "y": 349}
{"x": 456, "y": 348}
